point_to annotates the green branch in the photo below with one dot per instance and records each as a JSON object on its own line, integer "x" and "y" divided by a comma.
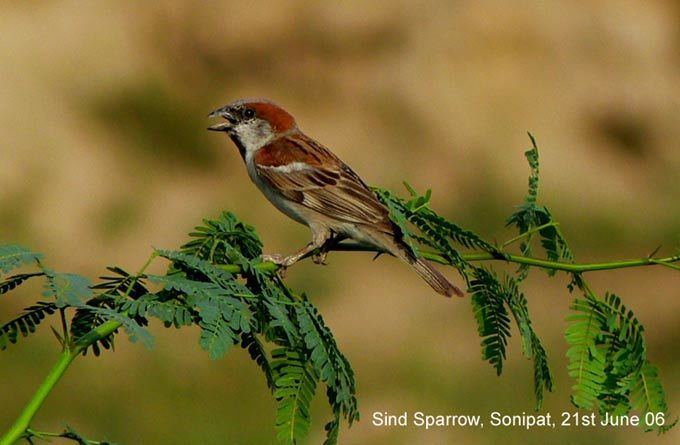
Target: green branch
{"x": 68, "y": 433}
{"x": 486, "y": 256}
{"x": 556, "y": 265}
{"x": 22, "y": 424}
{"x": 21, "y": 427}
{"x": 18, "y": 430}
{"x": 530, "y": 232}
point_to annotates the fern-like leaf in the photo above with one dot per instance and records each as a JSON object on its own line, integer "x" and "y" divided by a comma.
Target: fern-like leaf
{"x": 15, "y": 281}
{"x": 198, "y": 269}
{"x": 439, "y": 239}
{"x": 554, "y": 243}
{"x": 399, "y": 215}
{"x": 315, "y": 343}
{"x": 169, "y": 312}
{"x": 295, "y": 383}
{"x": 113, "y": 288}
{"x": 85, "y": 320}
{"x": 329, "y": 362}
{"x": 531, "y": 344}
{"x": 212, "y": 240}
{"x": 532, "y": 158}
{"x": 26, "y": 323}
{"x": 121, "y": 283}
{"x": 256, "y": 350}
{"x": 332, "y": 430}
{"x": 646, "y": 392}
{"x": 217, "y": 337}
{"x": 493, "y": 321}
{"x": 66, "y": 288}
{"x": 530, "y": 216}
{"x": 543, "y": 378}
{"x": 13, "y": 256}
{"x": 211, "y": 300}
{"x": 222, "y": 315}
{"x": 435, "y": 231}
{"x": 586, "y": 360}
{"x": 274, "y": 303}
{"x": 608, "y": 358}
{"x": 132, "y": 328}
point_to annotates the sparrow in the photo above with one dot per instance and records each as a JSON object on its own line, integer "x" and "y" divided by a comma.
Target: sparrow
{"x": 307, "y": 182}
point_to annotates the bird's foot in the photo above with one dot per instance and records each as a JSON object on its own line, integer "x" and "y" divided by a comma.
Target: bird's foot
{"x": 282, "y": 261}
{"x": 320, "y": 257}
{"x": 277, "y": 258}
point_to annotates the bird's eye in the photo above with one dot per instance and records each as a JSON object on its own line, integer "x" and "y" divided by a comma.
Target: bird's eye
{"x": 249, "y": 113}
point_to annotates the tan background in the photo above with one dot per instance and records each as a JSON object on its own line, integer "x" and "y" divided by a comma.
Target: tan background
{"x": 104, "y": 153}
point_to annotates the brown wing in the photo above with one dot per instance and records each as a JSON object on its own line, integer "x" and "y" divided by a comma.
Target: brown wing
{"x": 309, "y": 174}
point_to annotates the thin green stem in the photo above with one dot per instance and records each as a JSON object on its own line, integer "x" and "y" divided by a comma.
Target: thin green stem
{"x": 140, "y": 273}
{"x": 568, "y": 267}
{"x": 64, "y": 326}
{"x": 47, "y": 435}
{"x": 71, "y": 351}
{"x": 486, "y": 256}
{"x": 262, "y": 267}
{"x": 665, "y": 263}
{"x": 531, "y": 261}
{"x": 529, "y": 233}
{"x": 22, "y": 423}
{"x": 100, "y": 332}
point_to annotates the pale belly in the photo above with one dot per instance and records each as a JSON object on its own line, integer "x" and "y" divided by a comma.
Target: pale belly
{"x": 288, "y": 208}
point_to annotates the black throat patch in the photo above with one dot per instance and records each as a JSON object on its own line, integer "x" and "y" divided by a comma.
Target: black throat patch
{"x": 239, "y": 145}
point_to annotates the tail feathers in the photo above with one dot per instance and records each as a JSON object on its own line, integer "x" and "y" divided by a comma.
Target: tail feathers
{"x": 427, "y": 272}
{"x": 435, "y": 279}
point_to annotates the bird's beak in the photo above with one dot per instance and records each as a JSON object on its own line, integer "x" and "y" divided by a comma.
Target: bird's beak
{"x": 222, "y": 126}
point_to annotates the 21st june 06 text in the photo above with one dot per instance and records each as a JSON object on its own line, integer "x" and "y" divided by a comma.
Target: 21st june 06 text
{"x": 496, "y": 419}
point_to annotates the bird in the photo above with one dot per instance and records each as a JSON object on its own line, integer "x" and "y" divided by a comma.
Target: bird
{"x": 310, "y": 184}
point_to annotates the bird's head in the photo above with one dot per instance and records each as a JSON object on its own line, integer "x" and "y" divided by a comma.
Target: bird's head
{"x": 253, "y": 123}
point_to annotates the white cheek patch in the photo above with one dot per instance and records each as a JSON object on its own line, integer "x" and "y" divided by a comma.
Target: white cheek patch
{"x": 253, "y": 136}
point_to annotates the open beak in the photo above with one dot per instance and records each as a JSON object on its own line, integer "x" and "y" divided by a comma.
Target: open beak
{"x": 224, "y": 114}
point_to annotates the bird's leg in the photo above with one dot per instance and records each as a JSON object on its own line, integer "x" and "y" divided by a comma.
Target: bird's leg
{"x": 320, "y": 256}
{"x": 333, "y": 240}
{"x": 319, "y": 238}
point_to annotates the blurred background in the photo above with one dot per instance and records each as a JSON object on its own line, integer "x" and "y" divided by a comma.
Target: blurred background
{"x": 104, "y": 153}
